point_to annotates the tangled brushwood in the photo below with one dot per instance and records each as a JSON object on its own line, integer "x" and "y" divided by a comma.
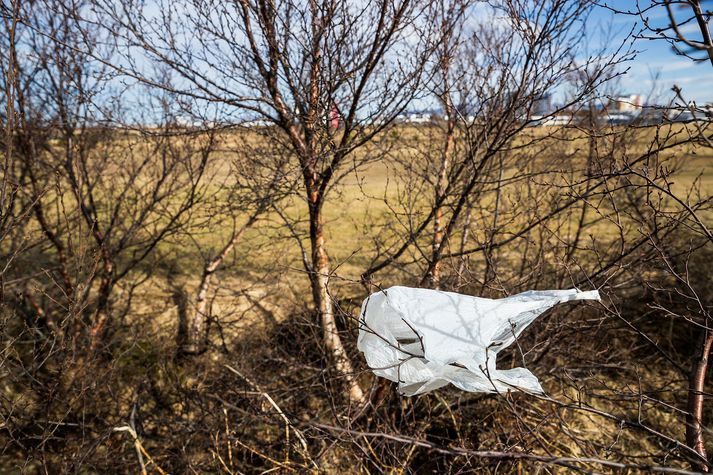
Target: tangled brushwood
{"x": 197, "y": 195}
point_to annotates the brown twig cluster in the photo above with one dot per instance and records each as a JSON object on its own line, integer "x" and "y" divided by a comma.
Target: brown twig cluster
{"x": 196, "y": 196}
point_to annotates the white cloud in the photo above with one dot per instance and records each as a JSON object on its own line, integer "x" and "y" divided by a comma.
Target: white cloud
{"x": 675, "y": 65}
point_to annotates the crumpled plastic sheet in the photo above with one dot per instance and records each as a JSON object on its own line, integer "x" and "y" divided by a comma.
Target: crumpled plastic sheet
{"x": 425, "y": 339}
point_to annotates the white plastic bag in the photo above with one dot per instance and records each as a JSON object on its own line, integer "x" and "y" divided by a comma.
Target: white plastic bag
{"x": 424, "y": 339}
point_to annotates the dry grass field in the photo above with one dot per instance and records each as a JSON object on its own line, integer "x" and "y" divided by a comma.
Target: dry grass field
{"x": 357, "y": 208}
{"x": 197, "y": 415}
{"x": 365, "y": 201}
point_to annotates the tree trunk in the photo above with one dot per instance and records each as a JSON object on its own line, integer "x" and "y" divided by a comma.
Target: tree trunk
{"x": 197, "y": 336}
{"x": 697, "y": 379}
{"x": 463, "y": 241}
{"x": 433, "y": 278}
{"x": 102, "y": 312}
{"x": 319, "y": 279}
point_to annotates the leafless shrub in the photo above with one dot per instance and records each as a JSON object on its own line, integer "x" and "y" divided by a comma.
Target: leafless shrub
{"x": 189, "y": 170}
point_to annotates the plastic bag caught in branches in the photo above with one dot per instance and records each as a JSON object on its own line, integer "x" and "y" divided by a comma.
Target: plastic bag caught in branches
{"x": 424, "y": 339}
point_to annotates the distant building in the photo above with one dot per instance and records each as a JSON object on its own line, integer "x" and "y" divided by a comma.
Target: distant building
{"x": 257, "y": 123}
{"x": 616, "y": 118}
{"x": 679, "y": 114}
{"x": 418, "y": 117}
{"x": 335, "y": 117}
{"x": 558, "y": 120}
{"x": 628, "y": 103}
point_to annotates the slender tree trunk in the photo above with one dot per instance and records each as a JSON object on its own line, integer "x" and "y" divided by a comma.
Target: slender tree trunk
{"x": 696, "y": 384}
{"x": 319, "y": 280}
{"x": 102, "y": 313}
{"x": 463, "y": 241}
{"x": 196, "y": 337}
{"x": 10, "y": 88}
{"x": 433, "y": 278}
{"x": 490, "y": 272}
{"x": 591, "y": 156}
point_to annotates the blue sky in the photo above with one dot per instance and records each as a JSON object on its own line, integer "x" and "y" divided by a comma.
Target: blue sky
{"x": 656, "y": 58}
